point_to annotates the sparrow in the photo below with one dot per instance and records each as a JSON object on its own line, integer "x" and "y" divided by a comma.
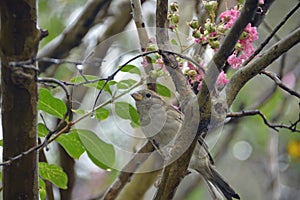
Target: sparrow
{"x": 160, "y": 122}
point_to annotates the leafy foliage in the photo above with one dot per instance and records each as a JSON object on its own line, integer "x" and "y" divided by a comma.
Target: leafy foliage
{"x": 93, "y": 81}
{"x": 42, "y": 189}
{"x": 50, "y": 104}
{"x": 127, "y": 111}
{"x": 54, "y": 174}
{"x": 101, "y": 153}
{"x": 125, "y": 84}
{"x": 163, "y": 90}
{"x": 71, "y": 144}
{"x": 42, "y": 130}
{"x": 131, "y": 69}
{"x": 102, "y": 113}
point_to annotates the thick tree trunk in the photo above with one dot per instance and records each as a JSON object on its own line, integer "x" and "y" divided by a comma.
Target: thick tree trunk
{"x": 19, "y": 38}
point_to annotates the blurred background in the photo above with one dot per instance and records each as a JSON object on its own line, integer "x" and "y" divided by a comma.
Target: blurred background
{"x": 259, "y": 162}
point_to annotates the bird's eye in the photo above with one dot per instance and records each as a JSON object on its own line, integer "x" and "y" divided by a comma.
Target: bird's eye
{"x": 148, "y": 95}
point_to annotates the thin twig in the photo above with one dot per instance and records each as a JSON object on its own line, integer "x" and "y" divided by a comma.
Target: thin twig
{"x": 278, "y": 82}
{"x": 276, "y": 127}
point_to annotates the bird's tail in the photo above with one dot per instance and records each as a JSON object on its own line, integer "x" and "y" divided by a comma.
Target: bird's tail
{"x": 218, "y": 181}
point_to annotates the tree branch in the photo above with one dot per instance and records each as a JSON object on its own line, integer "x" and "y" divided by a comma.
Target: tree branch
{"x": 144, "y": 40}
{"x": 261, "y": 13}
{"x": 185, "y": 141}
{"x": 280, "y": 84}
{"x": 128, "y": 171}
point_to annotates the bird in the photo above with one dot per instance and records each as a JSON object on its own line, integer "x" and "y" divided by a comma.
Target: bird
{"x": 160, "y": 121}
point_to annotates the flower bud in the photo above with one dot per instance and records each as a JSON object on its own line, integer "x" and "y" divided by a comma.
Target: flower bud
{"x": 175, "y": 18}
{"x": 238, "y": 46}
{"x": 196, "y": 33}
{"x": 174, "y": 6}
{"x": 153, "y": 74}
{"x": 209, "y": 26}
{"x": 192, "y": 73}
{"x": 151, "y": 47}
{"x": 214, "y": 44}
{"x": 194, "y": 24}
{"x": 210, "y": 6}
{"x": 244, "y": 35}
{"x": 220, "y": 28}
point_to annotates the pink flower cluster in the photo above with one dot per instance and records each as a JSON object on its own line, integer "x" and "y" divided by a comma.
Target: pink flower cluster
{"x": 222, "y": 79}
{"x": 229, "y": 17}
{"x": 245, "y": 48}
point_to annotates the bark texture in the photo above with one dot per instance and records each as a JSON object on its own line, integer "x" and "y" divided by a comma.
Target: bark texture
{"x": 19, "y": 38}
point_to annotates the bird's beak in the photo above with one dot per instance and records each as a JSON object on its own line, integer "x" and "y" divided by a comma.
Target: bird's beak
{"x": 137, "y": 96}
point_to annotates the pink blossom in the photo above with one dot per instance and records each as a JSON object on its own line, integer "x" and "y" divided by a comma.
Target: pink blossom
{"x": 197, "y": 40}
{"x": 212, "y": 34}
{"x": 172, "y": 27}
{"x": 234, "y": 61}
{"x": 144, "y": 62}
{"x": 200, "y": 40}
{"x": 190, "y": 66}
{"x": 160, "y": 62}
{"x": 199, "y": 86}
{"x": 229, "y": 17}
{"x": 261, "y": 1}
{"x": 222, "y": 80}
{"x": 252, "y": 33}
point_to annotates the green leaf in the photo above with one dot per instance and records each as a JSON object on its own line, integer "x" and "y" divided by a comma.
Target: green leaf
{"x": 97, "y": 84}
{"x": 173, "y": 41}
{"x": 50, "y": 104}
{"x": 42, "y": 189}
{"x": 107, "y": 87}
{"x": 97, "y": 162}
{"x": 131, "y": 69}
{"x": 78, "y": 111}
{"x": 1, "y": 143}
{"x": 102, "y": 113}
{"x": 54, "y": 174}
{"x": 125, "y": 84}
{"x": 71, "y": 144}
{"x": 98, "y": 150}
{"x": 127, "y": 111}
{"x": 163, "y": 90}
{"x": 42, "y": 130}
{"x": 81, "y": 79}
